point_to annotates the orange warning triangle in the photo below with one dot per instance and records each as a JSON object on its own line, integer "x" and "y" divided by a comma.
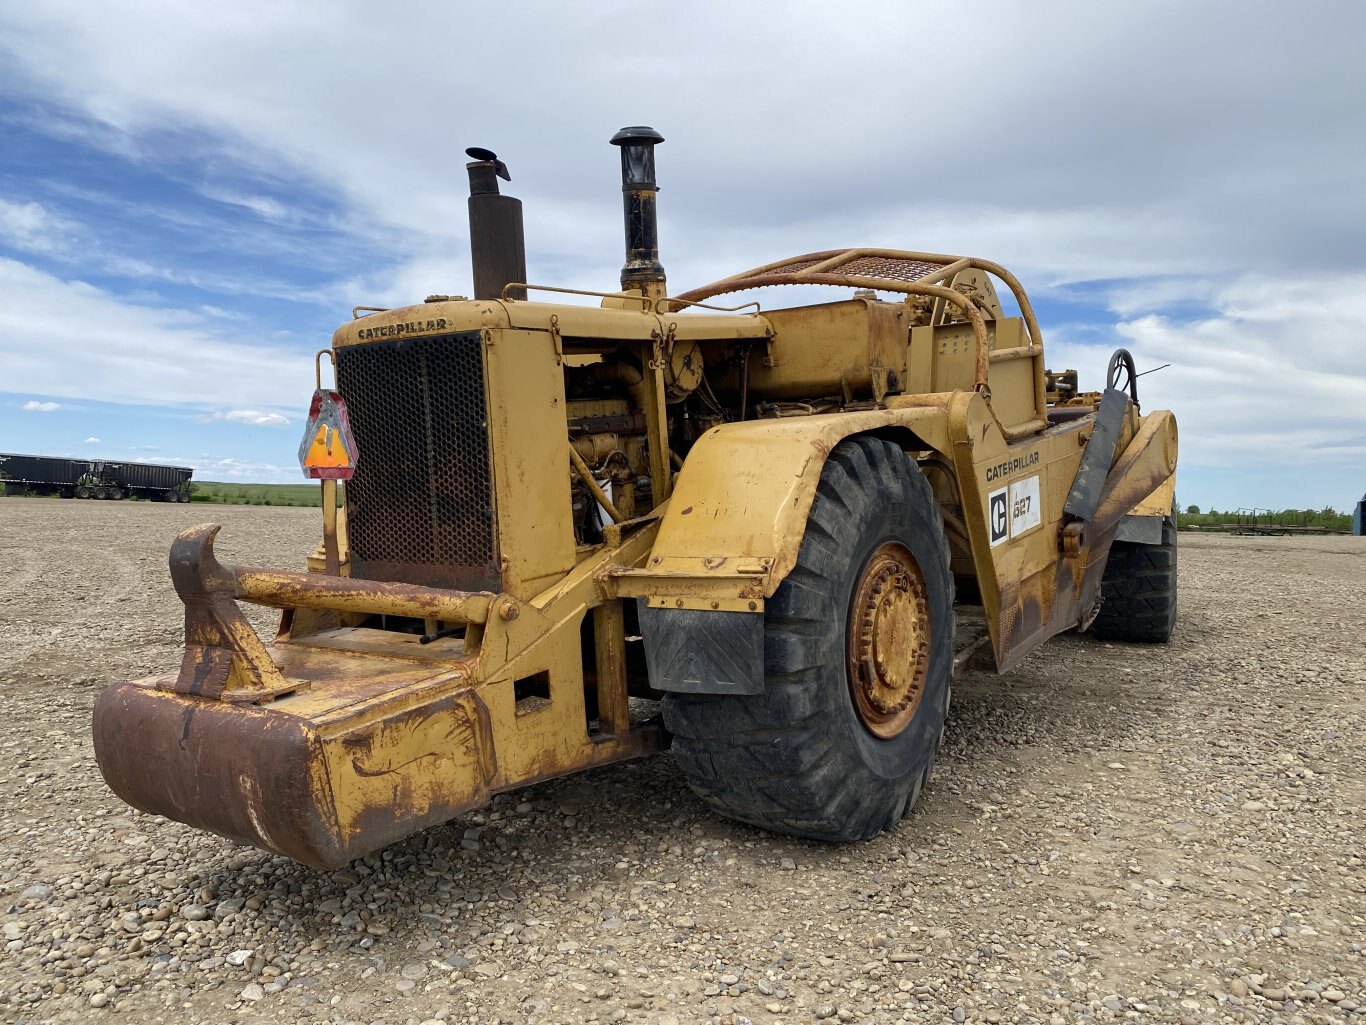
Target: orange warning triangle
{"x": 327, "y": 451}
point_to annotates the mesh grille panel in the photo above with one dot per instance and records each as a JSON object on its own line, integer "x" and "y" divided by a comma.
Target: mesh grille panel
{"x": 887, "y": 267}
{"x": 891, "y": 266}
{"x": 420, "y": 506}
{"x": 793, "y": 267}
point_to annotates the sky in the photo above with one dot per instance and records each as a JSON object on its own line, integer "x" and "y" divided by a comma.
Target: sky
{"x": 193, "y": 196}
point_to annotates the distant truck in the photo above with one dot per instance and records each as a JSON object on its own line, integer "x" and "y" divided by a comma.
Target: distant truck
{"x": 87, "y": 478}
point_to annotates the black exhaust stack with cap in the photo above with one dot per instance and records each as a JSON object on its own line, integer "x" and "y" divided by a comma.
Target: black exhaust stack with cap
{"x": 643, "y": 269}
{"x": 497, "y": 242}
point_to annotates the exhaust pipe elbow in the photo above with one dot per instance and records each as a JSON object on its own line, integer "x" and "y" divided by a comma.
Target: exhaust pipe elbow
{"x": 497, "y": 240}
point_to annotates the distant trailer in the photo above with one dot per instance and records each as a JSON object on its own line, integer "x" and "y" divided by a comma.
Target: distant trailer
{"x": 93, "y": 478}
{"x": 1359, "y": 518}
{"x": 1278, "y": 529}
{"x": 22, "y": 474}
{"x": 148, "y": 480}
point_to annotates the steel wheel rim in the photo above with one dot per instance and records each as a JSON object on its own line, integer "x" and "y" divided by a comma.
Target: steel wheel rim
{"x": 889, "y": 641}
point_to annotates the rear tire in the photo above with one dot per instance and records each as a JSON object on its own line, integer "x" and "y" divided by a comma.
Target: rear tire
{"x": 1138, "y": 591}
{"x": 842, "y": 741}
{"x": 82, "y": 491}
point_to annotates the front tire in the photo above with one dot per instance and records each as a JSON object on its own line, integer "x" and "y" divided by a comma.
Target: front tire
{"x": 858, "y": 652}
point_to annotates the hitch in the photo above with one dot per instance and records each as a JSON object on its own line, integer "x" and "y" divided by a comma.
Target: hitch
{"x": 225, "y": 660}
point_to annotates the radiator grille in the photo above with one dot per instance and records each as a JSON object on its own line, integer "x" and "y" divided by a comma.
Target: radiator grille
{"x": 420, "y": 506}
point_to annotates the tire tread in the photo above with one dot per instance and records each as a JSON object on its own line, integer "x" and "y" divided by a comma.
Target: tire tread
{"x": 1138, "y": 591}
{"x": 772, "y": 759}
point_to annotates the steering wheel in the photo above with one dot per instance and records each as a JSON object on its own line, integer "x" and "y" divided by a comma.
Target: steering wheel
{"x": 1121, "y": 374}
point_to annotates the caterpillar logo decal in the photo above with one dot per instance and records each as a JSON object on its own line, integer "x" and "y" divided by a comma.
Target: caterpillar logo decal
{"x": 998, "y": 516}
{"x": 407, "y": 327}
{"x": 1013, "y": 510}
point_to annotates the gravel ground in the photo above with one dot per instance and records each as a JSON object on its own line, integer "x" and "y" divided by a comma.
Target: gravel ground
{"x": 1114, "y": 833}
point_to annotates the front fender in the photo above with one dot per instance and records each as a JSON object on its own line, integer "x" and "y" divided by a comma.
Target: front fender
{"x": 730, "y": 535}
{"x": 739, "y": 506}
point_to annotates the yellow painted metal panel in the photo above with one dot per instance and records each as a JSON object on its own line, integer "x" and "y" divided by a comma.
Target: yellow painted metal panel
{"x": 1160, "y": 502}
{"x": 1012, "y": 390}
{"x": 740, "y": 503}
{"x": 530, "y": 474}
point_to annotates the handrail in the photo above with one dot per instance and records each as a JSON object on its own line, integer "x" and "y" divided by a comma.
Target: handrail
{"x": 644, "y": 300}
{"x": 668, "y": 300}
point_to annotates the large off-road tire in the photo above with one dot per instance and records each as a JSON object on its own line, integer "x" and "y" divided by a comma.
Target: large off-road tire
{"x": 858, "y": 653}
{"x": 1138, "y": 591}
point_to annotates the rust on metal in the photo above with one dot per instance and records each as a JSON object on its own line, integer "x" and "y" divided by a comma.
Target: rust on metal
{"x": 464, "y": 629}
{"x": 224, "y": 658}
{"x": 278, "y": 781}
{"x": 889, "y": 640}
{"x": 281, "y": 589}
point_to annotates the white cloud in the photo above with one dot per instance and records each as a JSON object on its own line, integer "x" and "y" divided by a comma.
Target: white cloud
{"x": 31, "y": 228}
{"x": 132, "y": 353}
{"x": 92, "y": 441}
{"x": 251, "y": 417}
{"x": 1249, "y": 393}
{"x": 232, "y": 468}
{"x": 219, "y": 313}
{"x": 1159, "y": 293}
{"x": 1118, "y": 144}
{"x": 38, "y": 230}
{"x": 263, "y": 206}
{"x": 34, "y": 406}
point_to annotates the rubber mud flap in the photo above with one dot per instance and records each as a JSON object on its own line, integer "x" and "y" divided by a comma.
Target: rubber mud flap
{"x": 690, "y": 651}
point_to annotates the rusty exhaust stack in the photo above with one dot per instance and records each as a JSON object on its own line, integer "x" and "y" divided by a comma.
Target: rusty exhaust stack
{"x": 497, "y": 242}
{"x": 643, "y": 270}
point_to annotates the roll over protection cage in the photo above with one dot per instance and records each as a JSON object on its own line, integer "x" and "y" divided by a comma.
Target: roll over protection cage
{"x": 909, "y": 273}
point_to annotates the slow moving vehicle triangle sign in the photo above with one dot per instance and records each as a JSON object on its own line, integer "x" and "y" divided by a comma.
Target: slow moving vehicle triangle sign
{"x": 328, "y": 451}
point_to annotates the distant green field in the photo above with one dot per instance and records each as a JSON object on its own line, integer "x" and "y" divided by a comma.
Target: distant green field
{"x": 255, "y": 494}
